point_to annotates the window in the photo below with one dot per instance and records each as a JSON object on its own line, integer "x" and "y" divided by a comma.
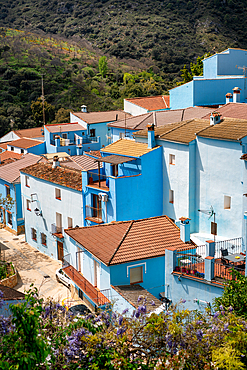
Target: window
{"x": 9, "y": 218}
{"x": 80, "y": 293}
{"x": 58, "y": 194}
{"x": 70, "y": 222}
{"x": 43, "y": 238}
{"x": 27, "y": 181}
{"x": 136, "y": 275}
{"x": 92, "y": 132}
{"x": 115, "y": 170}
{"x": 28, "y": 205}
{"x": 7, "y": 191}
{"x": 34, "y": 234}
{"x": 227, "y": 202}
{"x": 12, "y": 148}
{"x": 22, "y": 151}
{"x": 171, "y": 196}
{"x": 65, "y": 136}
{"x": 171, "y": 159}
{"x": 121, "y": 135}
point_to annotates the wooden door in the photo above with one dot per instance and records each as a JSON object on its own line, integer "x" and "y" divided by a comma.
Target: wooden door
{"x": 60, "y": 253}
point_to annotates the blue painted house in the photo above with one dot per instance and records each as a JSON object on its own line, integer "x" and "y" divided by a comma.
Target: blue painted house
{"x": 95, "y": 123}
{"x": 27, "y": 145}
{"x": 202, "y": 169}
{"x": 71, "y": 138}
{"x": 128, "y": 186}
{"x": 119, "y": 261}
{"x": 52, "y": 201}
{"x": 223, "y": 73}
{"x": 10, "y": 185}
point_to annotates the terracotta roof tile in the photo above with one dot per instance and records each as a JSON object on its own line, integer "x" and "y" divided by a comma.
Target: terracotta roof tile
{"x": 11, "y": 172}
{"x": 228, "y": 129}
{"x": 127, "y": 147}
{"x": 58, "y": 175}
{"x": 9, "y": 154}
{"x": 97, "y": 117}
{"x": 232, "y": 110}
{"x": 64, "y": 127}
{"x": 25, "y": 143}
{"x": 127, "y": 241}
{"x": 30, "y": 132}
{"x": 82, "y": 162}
{"x": 152, "y": 103}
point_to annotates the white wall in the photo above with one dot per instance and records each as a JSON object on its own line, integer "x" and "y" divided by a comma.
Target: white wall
{"x": 133, "y": 109}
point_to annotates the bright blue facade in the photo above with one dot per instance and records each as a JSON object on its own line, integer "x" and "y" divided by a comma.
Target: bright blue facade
{"x": 220, "y": 76}
{"x": 13, "y": 218}
{"x": 117, "y": 133}
{"x": 135, "y": 193}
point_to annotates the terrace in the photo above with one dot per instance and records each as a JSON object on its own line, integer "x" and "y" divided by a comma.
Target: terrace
{"x": 226, "y": 255}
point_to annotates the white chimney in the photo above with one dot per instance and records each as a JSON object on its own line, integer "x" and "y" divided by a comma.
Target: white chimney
{"x": 84, "y": 108}
{"x": 236, "y": 95}
{"x": 154, "y": 116}
{"x": 151, "y": 136}
{"x": 55, "y": 162}
{"x": 215, "y": 118}
{"x": 228, "y": 98}
{"x": 184, "y": 229}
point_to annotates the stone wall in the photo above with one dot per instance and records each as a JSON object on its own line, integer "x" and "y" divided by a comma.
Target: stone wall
{"x": 11, "y": 281}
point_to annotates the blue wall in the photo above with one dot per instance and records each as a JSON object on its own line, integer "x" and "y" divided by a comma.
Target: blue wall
{"x": 182, "y": 96}
{"x": 15, "y": 193}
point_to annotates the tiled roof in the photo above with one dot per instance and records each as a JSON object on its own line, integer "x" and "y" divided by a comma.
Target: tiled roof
{"x": 127, "y": 241}
{"x": 152, "y": 103}
{"x": 4, "y": 145}
{"x": 127, "y": 147}
{"x": 233, "y": 110}
{"x": 9, "y": 154}
{"x": 64, "y": 127}
{"x": 9, "y": 293}
{"x": 94, "y": 153}
{"x": 132, "y": 292}
{"x": 183, "y": 132}
{"x": 82, "y": 162}
{"x": 11, "y": 172}
{"x": 25, "y": 143}
{"x": 97, "y": 117}
{"x": 162, "y": 118}
{"x": 58, "y": 175}
{"x": 7, "y": 161}
{"x": 228, "y": 129}
{"x": 30, "y": 132}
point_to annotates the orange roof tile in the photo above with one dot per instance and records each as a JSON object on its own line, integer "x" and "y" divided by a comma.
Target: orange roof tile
{"x": 64, "y": 127}
{"x": 228, "y": 129}
{"x": 98, "y": 117}
{"x": 9, "y": 154}
{"x": 232, "y": 110}
{"x": 25, "y": 143}
{"x": 70, "y": 178}
{"x": 126, "y": 241}
{"x": 152, "y": 103}
{"x": 127, "y": 147}
{"x": 30, "y": 132}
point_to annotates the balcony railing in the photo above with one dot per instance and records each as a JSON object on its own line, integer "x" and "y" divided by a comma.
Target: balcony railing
{"x": 56, "y": 230}
{"x": 232, "y": 246}
{"x": 94, "y": 214}
{"x": 88, "y": 289}
{"x": 190, "y": 261}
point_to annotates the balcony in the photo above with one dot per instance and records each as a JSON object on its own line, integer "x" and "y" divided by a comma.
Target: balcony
{"x": 88, "y": 289}
{"x": 94, "y": 214}
{"x": 57, "y": 231}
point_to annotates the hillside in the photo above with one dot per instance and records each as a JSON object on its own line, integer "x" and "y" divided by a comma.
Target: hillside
{"x": 168, "y": 33}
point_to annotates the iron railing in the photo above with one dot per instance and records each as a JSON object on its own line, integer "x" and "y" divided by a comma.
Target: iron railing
{"x": 190, "y": 261}
{"x": 224, "y": 271}
{"x": 56, "y": 229}
{"x": 232, "y": 246}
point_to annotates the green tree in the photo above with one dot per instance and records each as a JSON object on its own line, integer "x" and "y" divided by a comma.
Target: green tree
{"x": 62, "y": 115}
{"x": 37, "y": 111}
{"x": 103, "y": 68}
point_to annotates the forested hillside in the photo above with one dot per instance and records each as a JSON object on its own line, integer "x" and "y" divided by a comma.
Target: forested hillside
{"x": 168, "y": 32}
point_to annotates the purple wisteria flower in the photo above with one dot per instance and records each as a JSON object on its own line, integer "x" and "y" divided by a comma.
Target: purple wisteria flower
{"x": 120, "y": 320}
{"x": 152, "y": 303}
{"x": 125, "y": 311}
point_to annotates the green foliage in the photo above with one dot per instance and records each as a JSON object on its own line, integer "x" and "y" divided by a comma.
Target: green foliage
{"x": 62, "y": 116}
{"x": 103, "y": 67}
{"x": 235, "y": 294}
{"x": 37, "y": 111}
{"x": 6, "y": 202}
{"x": 196, "y": 69}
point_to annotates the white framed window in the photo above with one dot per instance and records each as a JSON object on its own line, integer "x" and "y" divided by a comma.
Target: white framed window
{"x": 28, "y": 205}
{"x": 70, "y": 222}
{"x": 27, "y": 181}
{"x": 12, "y": 148}
{"x": 227, "y": 202}
{"x": 172, "y": 159}
{"x": 171, "y": 196}
{"x": 43, "y": 239}
{"x": 136, "y": 275}
{"x": 33, "y": 234}
{"x": 58, "y": 194}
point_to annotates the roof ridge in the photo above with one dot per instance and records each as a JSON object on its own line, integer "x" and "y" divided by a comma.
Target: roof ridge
{"x": 121, "y": 242}
{"x": 183, "y": 123}
{"x": 144, "y": 118}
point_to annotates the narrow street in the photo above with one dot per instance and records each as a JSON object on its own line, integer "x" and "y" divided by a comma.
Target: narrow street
{"x": 33, "y": 267}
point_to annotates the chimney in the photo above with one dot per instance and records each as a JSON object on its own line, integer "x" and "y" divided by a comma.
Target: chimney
{"x": 154, "y": 116}
{"x": 236, "y": 94}
{"x": 84, "y": 108}
{"x": 151, "y": 136}
{"x": 184, "y": 229}
{"x": 228, "y": 98}
{"x": 55, "y": 162}
{"x": 215, "y": 118}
